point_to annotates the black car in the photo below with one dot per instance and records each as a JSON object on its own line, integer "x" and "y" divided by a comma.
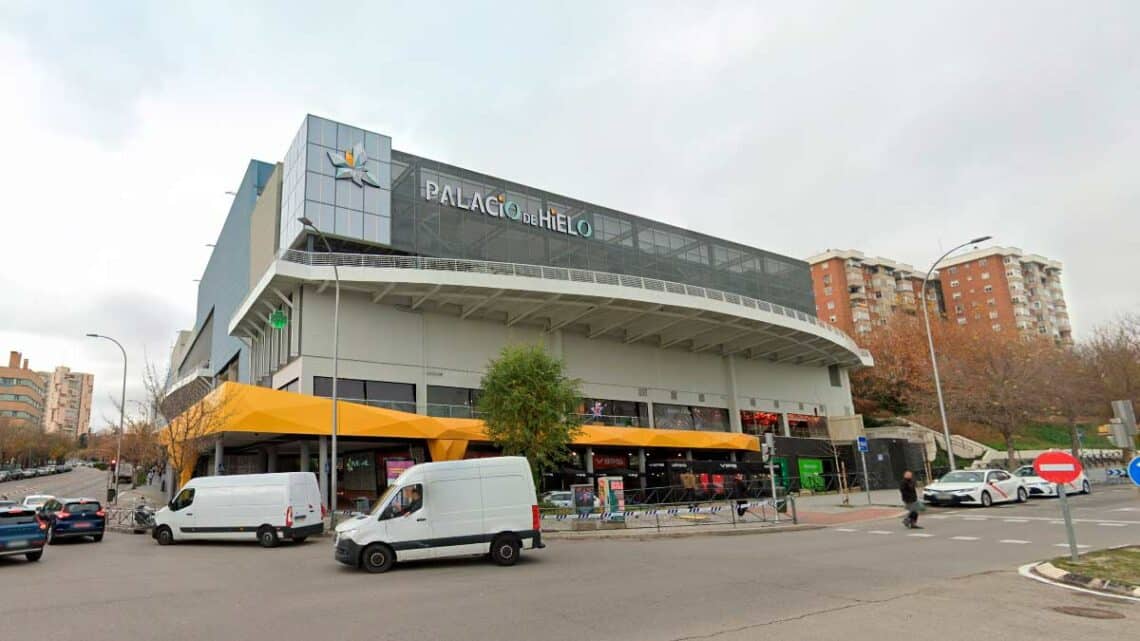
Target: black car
{"x": 74, "y": 518}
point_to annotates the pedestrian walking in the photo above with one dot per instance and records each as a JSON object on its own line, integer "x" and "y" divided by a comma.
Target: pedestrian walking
{"x": 741, "y": 490}
{"x": 909, "y": 492}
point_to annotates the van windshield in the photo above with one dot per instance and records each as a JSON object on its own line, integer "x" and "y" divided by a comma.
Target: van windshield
{"x": 382, "y": 500}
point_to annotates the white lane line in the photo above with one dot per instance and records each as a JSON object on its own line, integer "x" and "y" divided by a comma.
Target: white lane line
{"x": 1014, "y": 541}
{"x": 845, "y": 529}
{"x": 975, "y": 518}
{"x": 938, "y": 516}
{"x": 921, "y": 535}
{"x": 878, "y": 532}
{"x": 1016, "y": 520}
{"x": 1065, "y": 545}
{"x": 963, "y": 538}
{"x": 1113, "y": 524}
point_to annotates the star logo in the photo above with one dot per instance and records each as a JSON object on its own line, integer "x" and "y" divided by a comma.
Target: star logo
{"x": 351, "y": 164}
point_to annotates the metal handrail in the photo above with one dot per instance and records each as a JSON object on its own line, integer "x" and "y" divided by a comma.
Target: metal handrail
{"x": 385, "y": 261}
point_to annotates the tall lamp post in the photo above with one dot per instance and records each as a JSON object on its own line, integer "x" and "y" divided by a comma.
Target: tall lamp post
{"x": 930, "y": 342}
{"x": 336, "y": 359}
{"x": 122, "y": 414}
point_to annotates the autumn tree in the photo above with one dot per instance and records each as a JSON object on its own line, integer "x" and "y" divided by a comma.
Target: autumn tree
{"x": 1114, "y": 351}
{"x": 1071, "y": 387}
{"x": 997, "y": 379}
{"x": 187, "y": 416}
{"x": 901, "y": 379}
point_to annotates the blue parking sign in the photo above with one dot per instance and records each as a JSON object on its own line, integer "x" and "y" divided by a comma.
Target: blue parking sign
{"x": 1134, "y": 470}
{"x": 861, "y": 443}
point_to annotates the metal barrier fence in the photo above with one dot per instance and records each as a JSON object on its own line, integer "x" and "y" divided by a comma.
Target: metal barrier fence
{"x": 121, "y": 519}
{"x": 731, "y": 513}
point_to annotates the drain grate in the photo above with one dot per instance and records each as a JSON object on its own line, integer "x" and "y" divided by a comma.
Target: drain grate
{"x": 1088, "y": 613}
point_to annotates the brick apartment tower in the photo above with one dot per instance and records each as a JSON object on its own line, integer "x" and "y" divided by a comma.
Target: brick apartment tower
{"x": 1004, "y": 288}
{"x": 68, "y": 405}
{"x": 856, "y": 293}
{"x": 21, "y": 392}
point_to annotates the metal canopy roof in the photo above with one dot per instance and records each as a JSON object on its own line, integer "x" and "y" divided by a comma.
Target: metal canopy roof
{"x": 598, "y": 305}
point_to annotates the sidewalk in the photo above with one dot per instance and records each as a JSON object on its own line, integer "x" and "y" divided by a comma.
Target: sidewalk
{"x": 152, "y": 494}
{"x": 647, "y": 533}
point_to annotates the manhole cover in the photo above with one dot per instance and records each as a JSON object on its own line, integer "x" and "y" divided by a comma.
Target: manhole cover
{"x": 1088, "y": 613}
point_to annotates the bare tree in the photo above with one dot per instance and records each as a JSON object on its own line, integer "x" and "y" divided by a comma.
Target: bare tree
{"x": 1073, "y": 387}
{"x": 1114, "y": 351}
{"x": 186, "y": 415}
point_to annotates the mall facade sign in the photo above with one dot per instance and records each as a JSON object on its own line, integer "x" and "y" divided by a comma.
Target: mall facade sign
{"x": 499, "y": 207}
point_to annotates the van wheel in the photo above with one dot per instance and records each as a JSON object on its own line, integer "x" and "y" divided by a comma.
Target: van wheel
{"x": 267, "y": 537}
{"x": 377, "y": 558}
{"x": 505, "y": 549}
{"x": 164, "y": 536}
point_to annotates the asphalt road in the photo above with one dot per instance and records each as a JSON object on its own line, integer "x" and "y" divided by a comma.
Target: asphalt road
{"x": 83, "y": 482}
{"x": 865, "y": 581}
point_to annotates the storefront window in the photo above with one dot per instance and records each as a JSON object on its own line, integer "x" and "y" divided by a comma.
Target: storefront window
{"x": 684, "y": 417}
{"x": 760, "y": 423}
{"x": 807, "y": 426}
{"x": 598, "y": 411}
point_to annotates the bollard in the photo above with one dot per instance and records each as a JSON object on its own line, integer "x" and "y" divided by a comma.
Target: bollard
{"x": 792, "y": 504}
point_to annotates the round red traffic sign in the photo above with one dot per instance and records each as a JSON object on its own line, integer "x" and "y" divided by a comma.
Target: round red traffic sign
{"x": 1057, "y": 467}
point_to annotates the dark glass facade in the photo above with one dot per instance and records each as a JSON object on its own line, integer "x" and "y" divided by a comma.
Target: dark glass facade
{"x": 619, "y": 243}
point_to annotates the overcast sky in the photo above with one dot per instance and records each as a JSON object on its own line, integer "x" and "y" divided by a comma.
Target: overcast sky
{"x": 897, "y": 128}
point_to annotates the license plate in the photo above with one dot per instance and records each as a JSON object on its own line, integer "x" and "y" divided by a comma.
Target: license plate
{"x": 943, "y": 496}
{"x": 82, "y": 524}
{"x": 17, "y": 544}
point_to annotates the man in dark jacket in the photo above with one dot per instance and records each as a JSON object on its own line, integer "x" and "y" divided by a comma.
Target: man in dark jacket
{"x": 909, "y": 493}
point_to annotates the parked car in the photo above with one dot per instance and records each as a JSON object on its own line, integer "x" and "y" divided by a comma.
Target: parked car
{"x": 451, "y": 508}
{"x": 63, "y": 468}
{"x": 22, "y": 532}
{"x": 559, "y": 499}
{"x": 976, "y": 487}
{"x": 36, "y": 501}
{"x": 7, "y": 503}
{"x": 1038, "y": 486}
{"x": 74, "y": 518}
{"x": 45, "y": 470}
{"x": 126, "y": 472}
{"x": 5, "y": 475}
{"x": 261, "y": 507}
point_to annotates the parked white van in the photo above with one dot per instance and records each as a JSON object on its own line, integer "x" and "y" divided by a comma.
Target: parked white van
{"x": 261, "y": 507}
{"x": 451, "y": 508}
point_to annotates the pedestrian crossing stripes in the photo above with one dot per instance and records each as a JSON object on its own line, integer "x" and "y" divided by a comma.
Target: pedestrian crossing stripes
{"x": 963, "y": 538}
{"x": 1015, "y": 541}
{"x": 1113, "y": 524}
{"x": 1016, "y": 520}
{"x": 921, "y": 535}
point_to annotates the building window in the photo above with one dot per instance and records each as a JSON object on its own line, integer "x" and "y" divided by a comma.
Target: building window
{"x": 957, "y": 295}
{"x": 833, "y": 376}
{"x": 827, "y": 291}
{"x": 983, "y": 261}
{"x": 954, "y": 283}
{"x": 953, "y": 270}
{"x": 961, "y": 321}
{"x": 760, "y": 423}
{"x": 827, "y": 279}
{"x": 996, "y": 327}
{"x": 993, "y": 315}
{"x": 985, "y": 275}
{"x": 988, "y": 288}
{"x": 831, "y": 304}
{"x": 831, "y": 318}
{"x": 959, "y": 309}
{"x": 826, "y": 265}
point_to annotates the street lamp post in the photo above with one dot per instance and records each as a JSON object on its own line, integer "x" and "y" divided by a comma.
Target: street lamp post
{"x": 930, "y": 343}
{"x": 122, "y": 414}
{"x": 336, "y": 358}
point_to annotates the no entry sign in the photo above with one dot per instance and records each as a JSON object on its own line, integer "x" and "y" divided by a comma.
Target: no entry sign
{"x": 1057, "y": 467}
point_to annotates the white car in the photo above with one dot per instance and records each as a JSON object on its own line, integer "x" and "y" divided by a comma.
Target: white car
{"x": 976, "y": 487}
{"x": 1038, "y": 486}
{"x": 36, "y": 501}
{"x": 559, "y": 499}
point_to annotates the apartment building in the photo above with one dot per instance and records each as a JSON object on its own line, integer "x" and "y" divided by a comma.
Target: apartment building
{"x": 21, "y": 392}
{"x": 1006, "y": 288}
{"x": 67, "y": 408}
{"x": 856, "y": 293}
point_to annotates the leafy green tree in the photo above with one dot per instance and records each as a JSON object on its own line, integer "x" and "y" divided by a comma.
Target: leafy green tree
{"x": 528, "y": 406}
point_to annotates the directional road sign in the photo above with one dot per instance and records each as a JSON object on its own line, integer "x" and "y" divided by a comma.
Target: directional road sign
{"x": 1134, "y": 470}
{"x": 861, "y": 443}
{"x": 1057, "y": 467}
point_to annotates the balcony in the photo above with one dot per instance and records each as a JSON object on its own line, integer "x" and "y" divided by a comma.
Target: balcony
{"x": 856, "y": 293}
{"x": 855, "y": 277}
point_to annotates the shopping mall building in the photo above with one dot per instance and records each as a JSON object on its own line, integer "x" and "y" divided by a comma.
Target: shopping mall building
{"x": 687, "y": 346}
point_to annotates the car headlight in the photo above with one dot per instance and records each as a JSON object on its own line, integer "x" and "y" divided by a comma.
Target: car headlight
{"x": 961, "y": 491}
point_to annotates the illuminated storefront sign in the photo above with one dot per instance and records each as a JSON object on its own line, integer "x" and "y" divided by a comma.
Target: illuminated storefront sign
{"x": 500, "y": 207}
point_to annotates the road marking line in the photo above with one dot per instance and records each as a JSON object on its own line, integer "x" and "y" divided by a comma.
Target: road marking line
{"x": 878, "y": 532}
{"x": 939, "y": 516}
{"x": 1065, "y": 545}
{"x": 921, "y": 535}
{"x": 845, "y": 529}
{"x": 974, "y": 518}
{"x": 1016, "y": 520}
{"x": 1014, "y": 541}
{"x": 1113, "y": 524}
{"x": 963, "y": 538}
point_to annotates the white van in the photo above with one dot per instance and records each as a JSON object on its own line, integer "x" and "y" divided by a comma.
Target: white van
{"x": 261, "y": 507}
{"x": 451, "y": 508}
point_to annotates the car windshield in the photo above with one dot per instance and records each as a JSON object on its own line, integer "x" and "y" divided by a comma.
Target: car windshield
{"x": 382, "y": 500}
{"x": 17, "y": 517}
{"x": 35, "y": 500}
{"x": 1026, "y": 470}
{"x": 962, "y": 477}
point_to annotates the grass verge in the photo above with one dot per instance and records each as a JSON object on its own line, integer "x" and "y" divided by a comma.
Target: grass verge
{"x": 1121, "y": 566}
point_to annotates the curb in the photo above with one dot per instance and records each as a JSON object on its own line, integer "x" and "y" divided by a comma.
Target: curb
{"x": 681, "y": 533}
{"x": 1050, "y": 574}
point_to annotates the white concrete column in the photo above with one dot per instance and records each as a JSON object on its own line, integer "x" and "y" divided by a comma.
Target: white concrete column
{"x": 271, "y": 459}
{"x": 305, "y": 454}
{"x": 219, "y": 456}
{"x": 652, "y": 422}
{"x": 688, "y": 455}
{"x": 554, "y": 344}
{"x": 421, "y": 394}
{"x": 784, "y": 427}
{"x": 589, "y": 460}
{"x": 641, "y": 467}
{"x": 323, "y": 462}
{"x": 733, "y": 400}
{"x": 732, "y": 456}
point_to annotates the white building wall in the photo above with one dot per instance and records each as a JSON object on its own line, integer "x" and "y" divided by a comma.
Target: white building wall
{"x": 381, "y": 342}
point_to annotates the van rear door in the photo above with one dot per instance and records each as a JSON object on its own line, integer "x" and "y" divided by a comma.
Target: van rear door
{"x": 305, "y": 500}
